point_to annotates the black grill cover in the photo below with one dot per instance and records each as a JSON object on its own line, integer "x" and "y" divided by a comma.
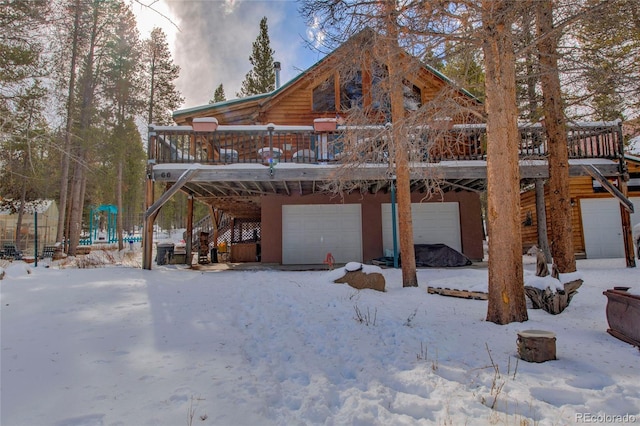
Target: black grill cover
{"x": 439, "y": 255}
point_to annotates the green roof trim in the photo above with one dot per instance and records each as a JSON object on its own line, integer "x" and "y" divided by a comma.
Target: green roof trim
{"x": 202, "y": 108}
{"x": 449, "y": 81}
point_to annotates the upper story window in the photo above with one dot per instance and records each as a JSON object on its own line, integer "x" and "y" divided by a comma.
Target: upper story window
{"x": 324, "y": 96}
{"x": 380, "y": 87}
{"x": 351, "y": 92}
{"x": 412, "y": 96}
{"x": 380, "y": 91}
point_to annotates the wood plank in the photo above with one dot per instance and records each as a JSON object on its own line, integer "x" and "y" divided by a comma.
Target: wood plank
{"x": 464, "y": 294}
{"x": 624, "y": 201}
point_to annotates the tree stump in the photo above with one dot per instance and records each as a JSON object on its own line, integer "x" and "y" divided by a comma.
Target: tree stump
{"x": 536, "y": 345}
{"x": 553, "y": 301}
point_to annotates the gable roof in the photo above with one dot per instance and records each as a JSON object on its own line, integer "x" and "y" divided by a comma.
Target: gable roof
{"x": 251, "y": 104}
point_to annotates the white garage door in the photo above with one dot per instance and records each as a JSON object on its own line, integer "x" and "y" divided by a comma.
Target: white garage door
{"x": 309, "y": 232}
{"x": 433, "y": 223}
{"x": 602, "y": 228}
{"x": 635, "y": 217}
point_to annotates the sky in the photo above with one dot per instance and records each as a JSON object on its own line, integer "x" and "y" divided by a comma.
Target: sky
{"x": 211, "y": 40}
{"x": 119, "y": 345}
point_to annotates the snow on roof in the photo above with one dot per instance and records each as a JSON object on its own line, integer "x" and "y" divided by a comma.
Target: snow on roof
{"x": 11, "y": 206}
{"x": 634, "y": 147}
{"x": 153, "y": 128}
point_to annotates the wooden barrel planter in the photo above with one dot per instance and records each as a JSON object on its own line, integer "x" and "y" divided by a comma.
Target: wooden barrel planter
{"x": 536, "y": 345}
{"x": 623, "y": 315}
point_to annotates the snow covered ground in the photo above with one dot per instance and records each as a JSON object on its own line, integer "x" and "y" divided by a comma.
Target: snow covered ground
{"x": 118, "y": 345}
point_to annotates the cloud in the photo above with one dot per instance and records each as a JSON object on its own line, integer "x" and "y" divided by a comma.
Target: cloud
{"x": 215, "y": 42}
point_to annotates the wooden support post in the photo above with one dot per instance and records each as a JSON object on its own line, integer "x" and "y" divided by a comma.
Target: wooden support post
{"x": 627, "y": 231}
{"x": 154, "y": 207}
{"x": 189, "y": 236}
{"x": 536, "y": 345}
{"x": 541, "y": 220}
{"x": 215, "y": 221}
{"x": 147, "y": 230}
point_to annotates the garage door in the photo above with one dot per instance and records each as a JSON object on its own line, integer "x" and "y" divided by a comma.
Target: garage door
{"x": 635, "y": 217}
{"x": 309, "y": 232}
{"x": 602, "y": 228}
{"x": 433, "y": 223}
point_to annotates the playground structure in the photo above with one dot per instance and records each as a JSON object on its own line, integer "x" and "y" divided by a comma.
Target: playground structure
{"x": 95, "y": 225}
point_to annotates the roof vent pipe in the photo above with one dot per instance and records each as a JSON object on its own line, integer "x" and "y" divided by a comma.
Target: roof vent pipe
{"x": 276, "y": 67}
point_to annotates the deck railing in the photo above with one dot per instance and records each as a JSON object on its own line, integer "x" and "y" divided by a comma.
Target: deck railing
{"x": 301, "y": 144}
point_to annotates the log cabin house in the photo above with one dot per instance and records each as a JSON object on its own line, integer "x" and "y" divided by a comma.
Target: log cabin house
{"x": 263, "y": 163}
{"x": 597, "y": 215}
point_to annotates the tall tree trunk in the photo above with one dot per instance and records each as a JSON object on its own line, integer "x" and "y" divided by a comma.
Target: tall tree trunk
{"x": 152, "y": 90}
{"x": 76, "y": 201}
{"x": 119, "y": 205}
{"x": 405, "y": 221}
{"x": 401, "y": 156}
{"x": 64, "y": 174}
{"x": 555, "y": 125}
{"x": 87, "y": 98}
{"x": 23, "y": 201}
{"x": 506, "y": 284}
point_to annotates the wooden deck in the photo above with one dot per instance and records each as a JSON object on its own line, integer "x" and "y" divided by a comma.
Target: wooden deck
{"x": 232, "y": 167}
{"x": 265, "y": 144}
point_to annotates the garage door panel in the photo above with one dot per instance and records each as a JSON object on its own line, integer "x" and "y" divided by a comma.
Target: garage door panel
{"x": 635, "y": 216}
{"x": 602, "y": 228}
{"x": 309, "y": 232}
{"x": 433, "y": 223}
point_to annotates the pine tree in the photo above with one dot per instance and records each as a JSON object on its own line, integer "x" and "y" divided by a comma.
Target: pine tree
{"x": 99, "y": 25}
{"x": 84, "y": 115}
{"x": 527, "y": 68}
{"x": 23, "y": 152}
{"x": 161, "y": 74}
{"x": 463, "y": 66}
{"x": 20, "y": 45}
{"x": 23, "y": 129}
{"x": 123, "y": 93}
{"x": 218, "y": 95}
{"x": 122, "y": 70}
{"x": 262, "y": 78}
{"x": 507, "y": 301}
{"x": 610, "y": 58}
{"x": 67, "y": 57}
{"x": 562, "y": 250}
